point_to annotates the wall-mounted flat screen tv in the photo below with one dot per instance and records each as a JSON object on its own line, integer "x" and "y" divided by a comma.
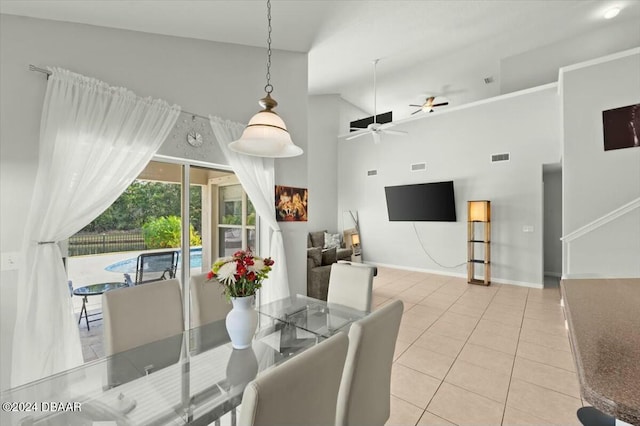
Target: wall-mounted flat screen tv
{"x": 424, "y": 202}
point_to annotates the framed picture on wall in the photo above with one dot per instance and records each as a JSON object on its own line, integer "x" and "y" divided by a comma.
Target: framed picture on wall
{"x": 291, "y": 204}
{"x": 621, "y": 127}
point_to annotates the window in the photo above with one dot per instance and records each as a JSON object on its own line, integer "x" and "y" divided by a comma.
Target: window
{"x": 236, "y": 220}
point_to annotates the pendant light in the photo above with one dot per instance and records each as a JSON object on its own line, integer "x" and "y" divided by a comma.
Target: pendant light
{"x": 266, "y": 134}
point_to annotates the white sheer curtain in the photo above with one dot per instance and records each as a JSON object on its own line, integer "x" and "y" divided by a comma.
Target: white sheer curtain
{"x": 256, "y": 174}
{"x": 94, "y": 141}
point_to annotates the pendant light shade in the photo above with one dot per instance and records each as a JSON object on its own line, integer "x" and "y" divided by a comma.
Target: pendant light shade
{"x": 266, "y": 135}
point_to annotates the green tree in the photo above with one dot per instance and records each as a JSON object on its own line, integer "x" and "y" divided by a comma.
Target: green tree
{"x": 165, "y": 232}
{"x": 143, "y": 201}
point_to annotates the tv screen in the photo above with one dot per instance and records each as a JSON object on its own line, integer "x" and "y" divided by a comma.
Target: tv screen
{"x": 425, "y": 202}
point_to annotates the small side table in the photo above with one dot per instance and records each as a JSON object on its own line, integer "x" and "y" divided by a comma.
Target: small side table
{"x": 94, "y": 290}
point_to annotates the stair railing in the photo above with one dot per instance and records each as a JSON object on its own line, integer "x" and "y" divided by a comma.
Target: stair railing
{"x": 590, "y": 227}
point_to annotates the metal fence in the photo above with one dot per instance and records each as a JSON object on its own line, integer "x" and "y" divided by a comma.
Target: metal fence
{"x": 85, "y": 244}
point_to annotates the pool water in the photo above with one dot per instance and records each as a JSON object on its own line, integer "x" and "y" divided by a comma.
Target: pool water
{"x": 129, "y": 265}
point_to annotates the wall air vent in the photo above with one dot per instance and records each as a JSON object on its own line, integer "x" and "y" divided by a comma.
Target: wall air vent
{"x": 372, "y": 172}
{"x": 498, "y": 158}
{"x": 419, "y": 167}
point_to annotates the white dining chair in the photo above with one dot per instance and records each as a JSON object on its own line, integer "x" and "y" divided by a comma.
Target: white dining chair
{"x": 208, "y": 302}
{"x": 301, "y": 391}
{"x": 351, "y": 285}
{"x": 134, "y": 316}
{"x": 365, "y": 390}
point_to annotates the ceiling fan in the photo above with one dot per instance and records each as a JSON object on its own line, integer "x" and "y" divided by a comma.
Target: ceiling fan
{"x": 428, "y": 105}
{"x": 374, "y": 129}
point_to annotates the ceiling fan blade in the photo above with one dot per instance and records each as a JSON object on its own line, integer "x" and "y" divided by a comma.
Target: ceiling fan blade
{"x": 395, "y": 132}
{"x": 414, "y": 105}
{"x": 357, "y": 135}
{"x": 441, "y": 104}
{"x": 417, "y": 111}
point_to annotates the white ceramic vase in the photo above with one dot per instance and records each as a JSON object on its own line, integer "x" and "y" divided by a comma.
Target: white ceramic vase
{"x": 242, "y": 322}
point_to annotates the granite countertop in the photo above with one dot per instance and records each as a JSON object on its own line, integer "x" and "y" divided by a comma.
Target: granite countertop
{"x": 604, "y": 326}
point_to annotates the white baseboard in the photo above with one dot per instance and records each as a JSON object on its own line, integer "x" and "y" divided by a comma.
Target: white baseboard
{"x": 457, "y": 274}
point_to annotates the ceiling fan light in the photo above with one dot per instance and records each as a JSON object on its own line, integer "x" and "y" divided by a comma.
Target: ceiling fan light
{"x": 266, "y": 135}
{"x": 611, "y": 13}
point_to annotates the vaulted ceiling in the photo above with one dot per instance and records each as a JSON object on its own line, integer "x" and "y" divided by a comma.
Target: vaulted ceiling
{"x": 425, "y": 47}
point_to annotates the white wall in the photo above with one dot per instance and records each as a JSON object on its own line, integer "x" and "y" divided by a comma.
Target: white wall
{"x": 456, "y": 145}
{"x": 322, "y": 173}
{"x": 552, "y": 222}
{"x": 596, "y": 181}
{"x": 540, "y": 66}
{"x": 203, "y": 77}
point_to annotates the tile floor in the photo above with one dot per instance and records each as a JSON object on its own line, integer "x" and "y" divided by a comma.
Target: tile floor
{"x": 473, "y": 355}
{"x": 466, "y": 354}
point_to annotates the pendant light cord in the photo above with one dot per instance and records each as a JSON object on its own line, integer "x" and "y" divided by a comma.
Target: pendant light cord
{"x": 375, "y": 91}
{"x": 268, "y": 88}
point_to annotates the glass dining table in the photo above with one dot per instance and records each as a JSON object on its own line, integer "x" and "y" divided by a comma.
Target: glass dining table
{"x": 196, "y": 377}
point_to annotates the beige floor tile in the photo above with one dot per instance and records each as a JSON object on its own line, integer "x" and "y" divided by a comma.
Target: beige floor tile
{"x": 452, "y": 289}
{"x": 494, "y": 341}
{"x": 499, "y": 306}
{"x": 503, "y": 318}
{"x": 421, "y": 309}
{"x": 404, "y": 284}
{"x": 545, "y": 339}
{"x": 545, "y": 355}
{"x": 546, "y": 326}
{"x": 451, "y": 330}
{"x": 413, "y": 386}
{"x": 438, "y": 306}
{"x": 545, "y": 293}
{"x": 418, "y": 320}
{"x": 429, "y": 419}
{"x": 473, "y": 312}
{"x": 515, "y": 417}
{"x": 549, "y": 405}
{"x": 403, "y": 413}
{"x": 424, "y": 288}
{"x": 462, "y": 320}
{"x": 498, "y": 328}
{"x": 426, "y": 361}
{"x": 440, "y": 344}
{"x": 482, "y": 381}
{"x": 408, "y": 333}
{"x": 377, "y": 300}
{"x": 462, "y": 407}
{"x": 550, "y": 313}
{"x": 510, "y": 299}
{"x": 401, "y": 346}
{"x": 443, "y": 296}
{"x": 543, "y": 303}
{"x": 410, "y": 297}
{"x": 549, "y": 377}
{"x": 487, "y": 358}
{"x": 479, "y": 298}
{"x": 388, "y": 291}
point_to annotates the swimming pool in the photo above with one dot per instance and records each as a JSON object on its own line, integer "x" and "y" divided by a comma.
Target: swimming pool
{"x": 129, "y": 265}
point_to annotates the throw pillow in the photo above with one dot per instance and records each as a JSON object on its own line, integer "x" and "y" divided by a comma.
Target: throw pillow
{"x": 317, "y": 238}
{"x": 329, "y": 256}
{"x": 315, "y": 254}
{"x": 331, "y": 240}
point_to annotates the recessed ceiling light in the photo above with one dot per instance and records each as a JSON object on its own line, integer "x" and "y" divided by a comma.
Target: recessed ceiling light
{"x": 611, "y": 13}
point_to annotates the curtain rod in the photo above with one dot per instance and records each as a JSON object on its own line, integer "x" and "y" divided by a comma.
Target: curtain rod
{"x": 48, "y": 73}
